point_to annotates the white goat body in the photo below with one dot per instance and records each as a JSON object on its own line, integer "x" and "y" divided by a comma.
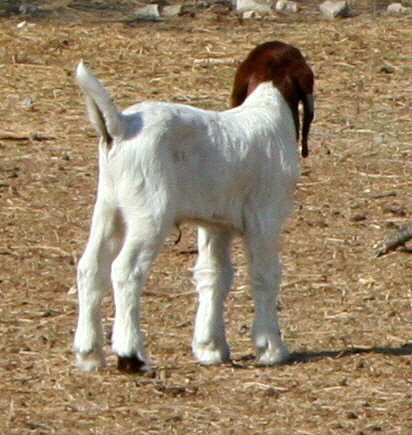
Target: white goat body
{"x": 161, "y": 164}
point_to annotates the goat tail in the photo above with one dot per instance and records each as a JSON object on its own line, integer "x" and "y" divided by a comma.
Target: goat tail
{"x": 102, "y": 112}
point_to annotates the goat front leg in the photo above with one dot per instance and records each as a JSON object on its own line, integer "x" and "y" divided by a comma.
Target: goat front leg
{"x": 264, "y": 269}
{"x": 213, "y": 276}
{"x": 93, "y": 279}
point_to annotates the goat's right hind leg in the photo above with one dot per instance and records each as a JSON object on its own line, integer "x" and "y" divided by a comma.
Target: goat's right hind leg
{"x": 93, "y": 278}
{"x": 264, "y": 268}
{"x": 144, "y": 238}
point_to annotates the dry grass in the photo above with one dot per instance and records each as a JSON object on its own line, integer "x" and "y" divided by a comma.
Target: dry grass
{"x": 346, "y": 315}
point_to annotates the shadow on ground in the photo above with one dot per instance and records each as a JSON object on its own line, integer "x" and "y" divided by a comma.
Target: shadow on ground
{"x": 405, "y": 349}
{"x": 307, "y": 356}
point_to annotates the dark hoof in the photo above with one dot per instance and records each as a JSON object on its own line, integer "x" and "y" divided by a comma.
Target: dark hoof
{"x": 131, "y": 364}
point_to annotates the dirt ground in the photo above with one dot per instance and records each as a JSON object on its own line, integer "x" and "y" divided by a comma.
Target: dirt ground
{"x": 345, "y": 314}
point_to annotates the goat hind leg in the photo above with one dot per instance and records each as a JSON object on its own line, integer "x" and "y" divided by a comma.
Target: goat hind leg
{"x": 264, "y": 270}
{"x": 213, "y": 275}
{"x": 129, "y": 270}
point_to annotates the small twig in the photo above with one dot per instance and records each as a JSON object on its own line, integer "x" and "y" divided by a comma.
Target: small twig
{"x": 133, "y": 19}
{"x": 169, "y": 295}
{"x": 382, "y": 195}
{"x": 179, "y": 236}
{"x": 9, "y": 253}
{"x": 394, "y": 240}
{"x": 31, "y": 136}
{"x": 58, "y": 251}
{"x": 214, "y": 61}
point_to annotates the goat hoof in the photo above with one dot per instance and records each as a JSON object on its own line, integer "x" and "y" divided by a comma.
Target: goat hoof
{"x": 209, "y": 355}
{"x": 270, "y": 358}
{"x": 90, "y": 361}
{"x": 131, "y": 364}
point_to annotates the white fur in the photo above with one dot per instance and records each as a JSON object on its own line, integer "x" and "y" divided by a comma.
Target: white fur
{"x": 230, "y": 172}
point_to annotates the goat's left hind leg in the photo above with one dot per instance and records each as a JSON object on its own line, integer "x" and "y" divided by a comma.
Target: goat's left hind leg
{"x": 213, "y": 276}
{"x": 93, "y": 278}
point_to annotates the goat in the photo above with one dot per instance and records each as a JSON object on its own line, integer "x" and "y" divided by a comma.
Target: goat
{"x": 231, "y": 173}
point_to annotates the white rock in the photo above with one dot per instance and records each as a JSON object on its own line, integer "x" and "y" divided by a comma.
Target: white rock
{"x": 247, "y": 15}
{"x": 172, "y": 10}
{"x": 397, "y": 8}
{"x": 27, "y": 102}
{"x": 260, "y": 6}
{"x": 148, "y": 12}
{"x": 334, "y": 9}
{"x": 28, "y": 9}
{"x": 286, "y": 7}
{"x": 72, "y": 290}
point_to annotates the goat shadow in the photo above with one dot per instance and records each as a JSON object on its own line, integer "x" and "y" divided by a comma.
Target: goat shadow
{"x": 307, "y": 356}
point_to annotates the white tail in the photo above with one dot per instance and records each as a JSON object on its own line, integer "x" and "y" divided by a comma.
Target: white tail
{"x": 102, "y": 112}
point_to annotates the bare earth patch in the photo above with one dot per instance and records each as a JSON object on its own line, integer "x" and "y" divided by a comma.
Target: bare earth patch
{"x": 345, "y": 314}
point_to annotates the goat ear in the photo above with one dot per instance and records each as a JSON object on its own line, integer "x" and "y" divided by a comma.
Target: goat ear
{"x": 308, "y": 112}
{"x": 305, "y": 81}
